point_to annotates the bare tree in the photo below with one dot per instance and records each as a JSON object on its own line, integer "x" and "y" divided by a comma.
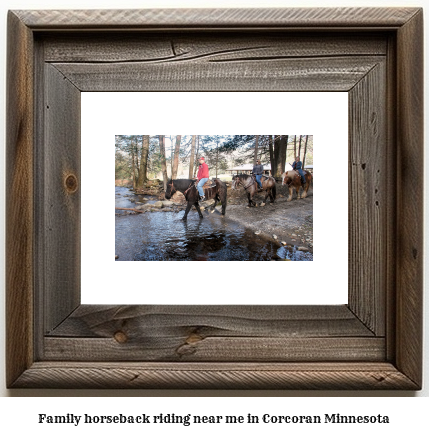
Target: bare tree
{"x": 305, "y": 151}
{"x": 191, "y": 162}
{"x": 196, "y": 155}
{"x": 255, "y": 157}
{"x": 299, "y": 150}
{"x": 271, "y": 151}
{"x": 163, "y": 162}
{"x": 176, "y": 157}
{"x": 142, "y": 177}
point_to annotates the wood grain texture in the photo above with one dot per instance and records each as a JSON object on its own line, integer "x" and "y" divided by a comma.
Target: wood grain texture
{"x": 368, "y": 201}
{"x": 409, "y": 273}
{"x": 215, "y": 376}
{"x": 180, "y": 47}
{"x": 208, "y": 18}
{"x": 99, "y": 321}
{"x": 61, "y": 185}
{"x": 189, "y": 347}
{"x": 324, "y": 74}
{"x": 19, "y": 198}
{"x": 177, "y": 347}
{"x": 213, "y": 333}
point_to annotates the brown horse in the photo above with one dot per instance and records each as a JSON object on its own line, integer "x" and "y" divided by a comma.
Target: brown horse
{"x": 293, "y": 180}
{"x": 251, "y": 187}
{"x": 188, "y": 189}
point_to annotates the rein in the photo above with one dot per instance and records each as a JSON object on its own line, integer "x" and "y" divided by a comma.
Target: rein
{"x": 175, "y": 190}
{"x": 245, "y": 187}
{"x": 189, "y": 187}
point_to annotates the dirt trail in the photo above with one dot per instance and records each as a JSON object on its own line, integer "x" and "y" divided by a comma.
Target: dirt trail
{"x": 291, "y": 222}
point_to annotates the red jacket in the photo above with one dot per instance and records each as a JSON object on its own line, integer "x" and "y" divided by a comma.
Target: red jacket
{"x": 203, "y": 172}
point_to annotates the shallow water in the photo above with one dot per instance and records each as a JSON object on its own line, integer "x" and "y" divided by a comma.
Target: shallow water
{"x": 155, "y": 236}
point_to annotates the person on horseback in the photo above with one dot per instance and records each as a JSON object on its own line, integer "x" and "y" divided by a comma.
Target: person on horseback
{"x": 258, "y": 171}
{"x": 297, "y": 166}
{"x": 202, "y": 176}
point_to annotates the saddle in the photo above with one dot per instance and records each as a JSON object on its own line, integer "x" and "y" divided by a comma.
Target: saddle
{"x": 209, "y": 184}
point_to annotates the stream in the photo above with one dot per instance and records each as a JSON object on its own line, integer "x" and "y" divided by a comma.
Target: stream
{"x": 159, "y": 235}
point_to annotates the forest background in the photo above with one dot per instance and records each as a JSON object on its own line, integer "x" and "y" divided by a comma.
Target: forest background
{"x": 139, "y": 158}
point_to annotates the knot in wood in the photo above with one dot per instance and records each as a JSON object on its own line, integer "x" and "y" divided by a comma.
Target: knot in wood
{"x": 71, "y": 183}
{"x": 120, "y": 337}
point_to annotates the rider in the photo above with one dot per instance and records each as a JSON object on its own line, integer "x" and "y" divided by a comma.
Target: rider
{"x": 297, "y": 166}
{"x": 258, "y": 171}
{"x": 202, "y": 176}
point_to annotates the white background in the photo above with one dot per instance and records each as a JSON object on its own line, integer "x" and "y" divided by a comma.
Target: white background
{"x": 322, "y": 114}
{"x": 20, "y": 413}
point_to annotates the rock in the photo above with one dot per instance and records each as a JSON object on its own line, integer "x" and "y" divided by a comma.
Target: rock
{"x": 274, "y": 236}
{"x": 293, "y": 234}
{"x": 143, "y": 207}
{"x": 158, "y": 205}
{"x": 207, "y": 203}
{"x": 284, "y": 243}
{"x": 116, "y": 256}
{"x": 167, "y": 203}
{"x": 302, "y": 248}
{"x": 258, "y": 232}
{"x": 262, "y": 204}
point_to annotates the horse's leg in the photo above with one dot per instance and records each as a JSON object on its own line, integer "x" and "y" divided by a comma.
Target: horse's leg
{"x": 188, "y": 208}
{"x": 271, "y": 195}
{"x": 222, "y": 198}
{"x": 216, "y": 199}
{"x": 290, "y": 192}
{"x": 266, "y": 194}
{"x": 304, "y": 191}
{"x": 251, "y": 202}
{"x": 297, "y": 189}
{"x": 197, "y": 206}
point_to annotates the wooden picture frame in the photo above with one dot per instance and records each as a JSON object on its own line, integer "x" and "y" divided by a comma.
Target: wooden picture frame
{"x": 373, "y": 342}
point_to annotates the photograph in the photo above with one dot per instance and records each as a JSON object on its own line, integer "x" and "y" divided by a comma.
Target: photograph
{"x": 214, "y": 197}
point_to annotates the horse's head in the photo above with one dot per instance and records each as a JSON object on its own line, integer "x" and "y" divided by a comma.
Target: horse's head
{"x": 235, "y": 182}
{"x": 170, "y": 189}
{"x": 287, "y": 177}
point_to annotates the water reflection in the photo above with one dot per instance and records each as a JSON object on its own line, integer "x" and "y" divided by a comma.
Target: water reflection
{"x": 163, "y": 236}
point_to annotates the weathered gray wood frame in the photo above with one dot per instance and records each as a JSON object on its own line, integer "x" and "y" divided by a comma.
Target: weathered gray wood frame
{"x": 374, "y": 342}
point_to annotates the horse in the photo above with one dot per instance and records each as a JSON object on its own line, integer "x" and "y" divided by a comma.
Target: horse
{"x": 189, "y": 190}
{"x": 293, "y": 180}
{"x": 248, "y": 182}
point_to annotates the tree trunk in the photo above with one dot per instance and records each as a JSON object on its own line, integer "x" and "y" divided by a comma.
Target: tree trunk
{"x": 282, "y": 154}
{"x": 163, "y": 162}
{"x": 133, "y": 165}
{"x": 217, "y": 159}
{"x": 255, "y": 156}
{"x": 280, "y": 147}
{"x": 191, "y": 163}
{"x": 299, "y": 150}
{"x": 294, "y": 148}
{"x": 271, "y": 150}
{"x": 305, "y": 151}
{"x": 143, "y": 162}
{"x": 196, "y": 155}
{"x": 176, "y": 157}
